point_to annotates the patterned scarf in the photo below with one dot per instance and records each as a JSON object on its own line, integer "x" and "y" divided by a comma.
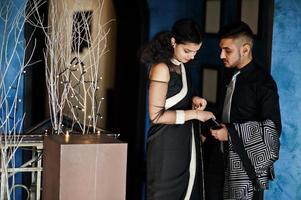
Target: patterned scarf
{"x": 260, "y": 140}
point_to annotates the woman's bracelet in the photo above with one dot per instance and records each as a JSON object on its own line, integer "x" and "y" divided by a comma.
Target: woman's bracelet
{"x": 180, "y": 116}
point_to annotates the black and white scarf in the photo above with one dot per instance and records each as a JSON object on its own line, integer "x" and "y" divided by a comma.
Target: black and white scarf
{"x": 260, "y": 141}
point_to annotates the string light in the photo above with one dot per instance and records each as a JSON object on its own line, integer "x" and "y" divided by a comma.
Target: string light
{"x": 67, "y": 137}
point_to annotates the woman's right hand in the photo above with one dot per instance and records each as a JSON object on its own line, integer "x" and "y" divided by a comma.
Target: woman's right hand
{"x": 198, "y": 103}
{"x": 204, "y": 115}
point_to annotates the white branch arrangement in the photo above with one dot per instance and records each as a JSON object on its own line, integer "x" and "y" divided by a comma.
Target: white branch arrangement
{"x": 73, "y": 76}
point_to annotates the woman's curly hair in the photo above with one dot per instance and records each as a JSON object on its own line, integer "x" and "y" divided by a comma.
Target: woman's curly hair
{"x": 160, "y": 49}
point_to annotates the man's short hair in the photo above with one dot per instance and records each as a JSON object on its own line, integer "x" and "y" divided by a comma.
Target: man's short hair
{"x": 236, "y": 30}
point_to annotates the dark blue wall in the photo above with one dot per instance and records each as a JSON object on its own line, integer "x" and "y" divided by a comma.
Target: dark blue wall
{"x": 164, "y": 13}
{"x": 286, "y": 70}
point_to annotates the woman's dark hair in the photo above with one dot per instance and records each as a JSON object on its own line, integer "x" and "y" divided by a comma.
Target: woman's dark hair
{"x": 160, "y": 49}
{"x": 187, "y": 31}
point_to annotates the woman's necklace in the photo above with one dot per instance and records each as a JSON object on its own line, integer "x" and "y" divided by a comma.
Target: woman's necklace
{"x": 177, "y": 67}
{"x": 175, "y": 62}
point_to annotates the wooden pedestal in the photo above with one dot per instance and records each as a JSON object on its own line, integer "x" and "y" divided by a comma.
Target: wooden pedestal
{"x": 84, "y": 167}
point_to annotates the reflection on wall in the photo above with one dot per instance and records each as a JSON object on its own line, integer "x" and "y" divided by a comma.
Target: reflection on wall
{"x": 249, "y": 13}
{"x": 212, "y": 18}
{"x": 287, "y": 73}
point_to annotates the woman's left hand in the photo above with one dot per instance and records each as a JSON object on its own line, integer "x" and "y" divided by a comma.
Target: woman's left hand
{"x": 198, "y": 103}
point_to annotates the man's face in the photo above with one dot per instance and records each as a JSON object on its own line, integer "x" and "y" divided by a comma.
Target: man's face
{"x": 230, "y": 52}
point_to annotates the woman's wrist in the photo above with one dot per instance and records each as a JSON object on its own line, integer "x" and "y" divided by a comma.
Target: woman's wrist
{"x": 197, "y": 115}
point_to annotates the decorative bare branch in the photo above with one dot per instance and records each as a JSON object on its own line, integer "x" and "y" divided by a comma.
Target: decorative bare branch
{"x": 74, "y": 50}
{"x": 12, "y": 71}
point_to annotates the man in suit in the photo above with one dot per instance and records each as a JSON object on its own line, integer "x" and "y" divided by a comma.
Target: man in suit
{"x": 251, "y": 122}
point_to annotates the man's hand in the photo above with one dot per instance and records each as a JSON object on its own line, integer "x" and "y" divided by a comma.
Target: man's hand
{"x": 198, "y": 103}
{"x": 220, "y": 134}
